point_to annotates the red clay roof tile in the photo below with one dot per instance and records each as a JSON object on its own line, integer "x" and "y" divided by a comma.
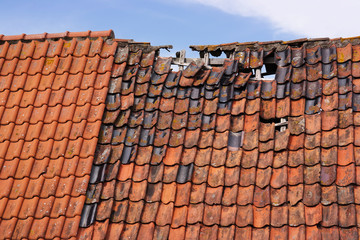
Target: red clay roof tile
{"x": 244, "y": 216}
{"x": 213, "y": 195}
{"x": 34, "y": 187}
{"x": 197, "y": 193}
{"x": 245, "y": 195}
{"x": 265, "y": 159}
{"x": 278, "y": 196}
{"x": 261, "y": 216}
{"x": 261, "y": 197}
{"x": 7, "y": 227}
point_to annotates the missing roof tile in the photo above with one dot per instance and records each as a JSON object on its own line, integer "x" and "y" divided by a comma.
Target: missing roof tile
{"x": 281, "y": 124}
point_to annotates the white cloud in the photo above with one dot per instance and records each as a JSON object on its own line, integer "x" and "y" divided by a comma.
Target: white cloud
{"x": 310, "y": 18}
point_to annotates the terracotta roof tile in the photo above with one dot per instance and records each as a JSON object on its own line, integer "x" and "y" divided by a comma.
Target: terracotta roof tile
{"x": 244, "y": 216}
{"x": 7, "y": 227}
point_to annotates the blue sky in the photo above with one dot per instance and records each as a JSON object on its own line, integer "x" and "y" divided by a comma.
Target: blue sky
{"x": 184, "y": 22}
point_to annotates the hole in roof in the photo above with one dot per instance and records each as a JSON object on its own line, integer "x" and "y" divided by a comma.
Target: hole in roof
{"x": 269, "y": 67}
{"x": 166, "y": 53}
{"x": 222, "y": 55}
{"x": 267, "y": 71}
{"x": 270, "y": 77}
{"x": 281, "y": 124}
{"x": 175, "y": 67}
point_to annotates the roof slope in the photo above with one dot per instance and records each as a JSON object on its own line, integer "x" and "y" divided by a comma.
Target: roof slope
{"x": 52, "y": 93}
{"x": 204, "y": 154}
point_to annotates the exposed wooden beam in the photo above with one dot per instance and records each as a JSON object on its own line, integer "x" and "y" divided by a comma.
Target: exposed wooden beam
{"x": 258, "y": 74}
{"x": 182, "y": 59}
{"x": 283, "y": 123}
{"x": 187, "y": 61}
{"x": 206, "y": 58}
{"x": 211, "y": 61}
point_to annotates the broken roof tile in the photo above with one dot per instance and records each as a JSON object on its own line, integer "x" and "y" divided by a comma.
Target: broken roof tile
{"x": 215, "y": 76}
{"x": 283, "y": 74}
{"x": 344, "y": 53}
{"x": 283, "y": 58}
{"x": 162, "y": 65}
{"x": 313, "y": 55}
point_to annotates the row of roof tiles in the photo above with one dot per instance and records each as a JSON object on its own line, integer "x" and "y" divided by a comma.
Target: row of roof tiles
{"x": 198, "y": 231}
{"x": 281, "y": 45}
{"x": 341, "y": 156}
{"x": 209, "y": 215}
{"x": 133, "y": 137}
{"x": 310, "y": 185}
{"x": 56, "y": 48}
{"x": 86, "y": 34}
{"x": 59, "y": 66}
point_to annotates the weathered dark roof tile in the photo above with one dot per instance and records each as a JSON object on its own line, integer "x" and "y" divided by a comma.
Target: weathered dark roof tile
{"x": 328, "y": 53}
{"x": 329, "y": 70}
{"x": 298, "y": 56}
{"x": 313, "y": 106}
{"x": 162, "y": 65}
{"x": 283, "y": 58}
{"x": 313, "y": 55}
{"x": 298, "y": 90}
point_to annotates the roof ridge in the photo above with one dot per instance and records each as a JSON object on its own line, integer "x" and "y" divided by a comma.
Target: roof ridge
{"x": 274, "y": 44}
{"x": 45, "y": 35}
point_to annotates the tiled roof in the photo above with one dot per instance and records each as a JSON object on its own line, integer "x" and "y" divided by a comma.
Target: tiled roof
{"x": 53, "y": 89}
{"x": 202, "y": 153}
{"x": 99, "y": 138}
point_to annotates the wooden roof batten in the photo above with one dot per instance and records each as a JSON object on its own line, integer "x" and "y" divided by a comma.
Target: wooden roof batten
{"x": 181, "y": 60}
